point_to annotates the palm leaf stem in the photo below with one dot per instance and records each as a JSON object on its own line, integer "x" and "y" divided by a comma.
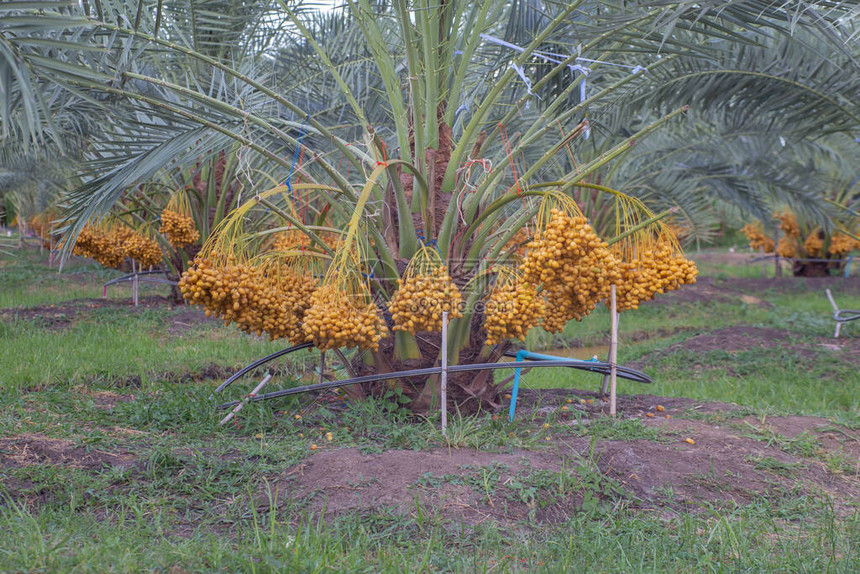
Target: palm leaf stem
{"x": 495, "y": 93}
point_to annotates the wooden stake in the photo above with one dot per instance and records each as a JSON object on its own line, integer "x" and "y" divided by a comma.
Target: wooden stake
{"x": 763, "y": 263}
{"x": 444, "y": 372}
{"x": 777, "y": 271}
{"x": 246, "y": 400}
{"x": 613, "y": 349}
{"x": 604, "y": 390}
{"x": 135, "y": 284}
{"x": 835, "y": 311}
{"x": 51, "y": 253}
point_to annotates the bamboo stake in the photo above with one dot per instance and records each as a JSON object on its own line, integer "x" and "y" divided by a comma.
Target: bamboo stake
{"x": 835, "y": 311}
{"x": 444, "y": 372}
{"x": 51, "y": 253}
{"x": 135, "y": 285}
{"x": 246, "y": 400}
{"x": 604, "y": 390}
{"x": 777, "y": 272}
{"x": 613, "y": 349}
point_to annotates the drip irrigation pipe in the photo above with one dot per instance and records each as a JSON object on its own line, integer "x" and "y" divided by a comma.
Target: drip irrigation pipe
{"x": 806, "y": 259}
{"x": 143, "y": 279}
{"x": 841, "y": 315}
{"x": 846, "y": 315}
{"x": 590, "y": 366}
{"x": 602, "y": 368}
{"x": 259, "y": 362}
{"x": 130, "y": 277}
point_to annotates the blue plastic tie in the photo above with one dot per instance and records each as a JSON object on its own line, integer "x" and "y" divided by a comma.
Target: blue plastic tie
{"x": 296, "y": 152}
{"x": 436, "y": 245}
{"x": 422, "y": 239}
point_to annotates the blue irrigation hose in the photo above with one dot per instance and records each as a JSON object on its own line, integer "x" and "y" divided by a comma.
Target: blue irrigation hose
{"x": 524, "y": 354}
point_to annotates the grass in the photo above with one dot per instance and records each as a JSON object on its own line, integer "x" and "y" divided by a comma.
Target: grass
{"x": 780, "y": 381}
{"x": 118, "y": 384}
{"x": 26, "y": 280}
{"x": 117, "y": 345}
{"x": 136, "y": 537}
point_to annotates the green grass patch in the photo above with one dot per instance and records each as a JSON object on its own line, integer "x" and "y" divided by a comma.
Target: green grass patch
{"x": 112, "y": 346}
{"x": 776, "y": 380}
{"x": 140, "y": 537}
{"x": 26, "y": 281}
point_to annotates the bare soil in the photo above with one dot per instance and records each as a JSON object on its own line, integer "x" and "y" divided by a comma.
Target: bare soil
{"x": 743, "y": 338}
{"x": 209, "y": 372}
{"x": 32, "y": 449}
{"x": 62, "y": 315}
{"x": 703, "y": 291}
{"x": 439, "y": 481}
{"x": 724, "y": 464}
{"x": 188, "y": 319}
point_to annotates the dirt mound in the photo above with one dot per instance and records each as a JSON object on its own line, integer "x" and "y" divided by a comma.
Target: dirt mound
{"x": 32, "y": 449}
{"x": 730, "y": 340}
{"x": 743, "y": 338}
{"x": 749, "y": 290}
{"x": 801, "y": 285}
{"x": 464, "y": 485}
{"x": 62, "y": 315}
{"x": 106, "y": 400}
{"x": 735, "y": 339}
{"x": 702, "y": 291}
{"x": 205, "y": 373}
{"x": 184, "y": 321}
{"x": 734, "y": 461}
{"x": 545, "y": 401}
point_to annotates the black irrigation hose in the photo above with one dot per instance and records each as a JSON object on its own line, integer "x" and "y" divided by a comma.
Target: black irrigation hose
{"x": 846, "y": 315}
{"x": 259, "y": 362}
{"x": 806, "y": 259}
{"x": 596, "y": 367}
{"x": 130, "y": 277}
{"x": 161, "y": 281}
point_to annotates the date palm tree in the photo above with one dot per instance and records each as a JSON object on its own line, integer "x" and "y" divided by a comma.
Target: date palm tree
{"x": 415, "y": 123}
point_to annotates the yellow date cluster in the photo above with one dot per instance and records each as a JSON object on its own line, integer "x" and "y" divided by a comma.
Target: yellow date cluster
{"x": 513, "y": 308}
{"x": 420, "y": 300}
{"x": 840, "y": 244}
{"x": 178, "y": 229}
{"x": 659, "y": 269}
{"x": 110, "y": 247}
{"x": 757, "y": 238}
{"x": 258, "y": 300}
{"x": 336, "y": 320}
{"x": 96, "y": 244}
{"x": 574, "y": 266}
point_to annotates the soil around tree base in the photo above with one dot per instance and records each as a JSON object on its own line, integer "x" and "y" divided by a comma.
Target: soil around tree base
{"x": 729, "y": 461}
